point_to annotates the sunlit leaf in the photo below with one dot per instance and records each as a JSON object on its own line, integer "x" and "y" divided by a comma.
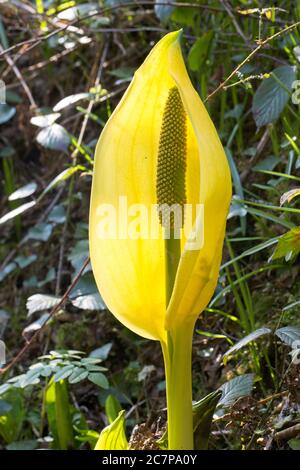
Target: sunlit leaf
{"x": 246, "y": 340}
{"x": 233, "y": 389}
{"x": 113, "y": 436}
{"x": 289, "y": 195}
{"x": 54, "y": 137}
{"x": 38, "y": 302}
{"x": 69, "y": 100}
{"x": 199, "y": 51}
{"x": 19, "y": 210}
{"x": 289, "y": 335}
{"x": 288, "y": 244}
{"x": 25, "y": 191}
{"x": 45, "y": 120}
{"x": 272, "y": 95}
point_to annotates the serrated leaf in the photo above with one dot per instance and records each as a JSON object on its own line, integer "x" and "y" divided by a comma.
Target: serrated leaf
{"x": 271, "y": 97}
{"x": 289, "y": 335}
{"x": 23, "y": 192}
{"x": 54, "y": 137}
{"x": 233, "y": 389}
{"x": 113, "y": 436}
{"x": 248, "y": 339}
{"x": 89, "y": 302}
{"x": 38, "y": 302}
{"x": 6, "y": 113}
{"x": 19, "y": 210}
{"x": 98, "y": 379}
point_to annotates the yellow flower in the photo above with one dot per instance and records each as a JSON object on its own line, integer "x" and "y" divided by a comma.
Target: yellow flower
{"x": 160, "y": 149}
{"x": 130, "y": 273}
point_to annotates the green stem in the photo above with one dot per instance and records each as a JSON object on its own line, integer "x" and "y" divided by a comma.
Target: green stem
{"x": 178, "y": 367}
{"x": 178, "y": 363}
{"x": 172, "y": 258}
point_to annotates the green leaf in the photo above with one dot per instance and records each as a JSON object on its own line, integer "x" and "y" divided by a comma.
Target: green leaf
{"x": 11, "y": 421}
{"x": 289, "y": 334}
{"x": 44, "y": 120}
{"x": 203, "y": 412}
{"x": 112, "y": 408}
{"x": 272, "y": 95}
{"x": 24, "y": 261}
{"x": 98, "y": 379}
{"x": 78, "y": 375}
{"x": 38, "y": 302}
{"x": 23, "y": 192}
{"x": 59, "y": 415}
{"x": 63, "y": 176}
{"x": 89, "y": 302}
{"x": 288, "y": 244}
{"x": 19, "y": 210}
{"x": 233, "y": 389}
{"x": 199, "y": 51}
{"x": 69, "y": 100}
{"x": 6, "y": 113}
{"x": 63, "y": 373}
{"x": 102, "y": 352}
{"x": 78, "y": 254}
{"x": 246, "y": 340}
{"x": 22, "y": 445}
{"x": 40, "y": 232}
{"x": 294, "y": 444}
{"x": 54, "y": 137}
{"x": 113, "y": 436}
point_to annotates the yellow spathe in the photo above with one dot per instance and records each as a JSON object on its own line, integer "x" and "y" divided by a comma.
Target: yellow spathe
{"x": 130, "y": 273}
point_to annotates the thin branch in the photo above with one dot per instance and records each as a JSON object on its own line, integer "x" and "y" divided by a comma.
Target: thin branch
{"x": 249, "y": 57}
{"x": 62, "y": 301}
{"x": 19, "y": 77}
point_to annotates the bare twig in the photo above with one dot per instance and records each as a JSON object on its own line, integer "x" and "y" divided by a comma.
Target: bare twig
{"x": 289, "y": 433}
{"x": 19, "y": 77}
{"x": 251, "y": 55}
{"x": 52, "y": 313}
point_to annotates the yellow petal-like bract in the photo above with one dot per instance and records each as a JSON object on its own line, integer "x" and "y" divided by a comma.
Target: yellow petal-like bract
{"x": 130, "y": 270}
